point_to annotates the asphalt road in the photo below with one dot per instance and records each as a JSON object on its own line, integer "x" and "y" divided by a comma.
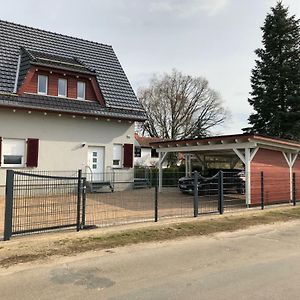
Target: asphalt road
{"x": 261, "y": 263}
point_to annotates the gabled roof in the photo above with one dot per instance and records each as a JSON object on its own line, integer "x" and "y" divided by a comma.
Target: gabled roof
{"x": 48, "y": 47}
{"x": 145, "y": 141}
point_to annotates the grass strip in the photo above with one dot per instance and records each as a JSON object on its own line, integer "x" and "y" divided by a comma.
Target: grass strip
{"x": 67, "y": 247}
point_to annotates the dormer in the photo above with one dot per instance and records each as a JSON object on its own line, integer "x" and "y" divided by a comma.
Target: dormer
{"x": 59, "y": 76}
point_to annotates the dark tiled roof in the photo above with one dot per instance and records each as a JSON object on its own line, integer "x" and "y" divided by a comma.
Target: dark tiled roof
{"x": 55, "y": 61}
{"x": 114, "y": 85}
{"x": 61, "y": 105}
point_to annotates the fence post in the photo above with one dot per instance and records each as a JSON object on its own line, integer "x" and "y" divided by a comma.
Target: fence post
{"x": 262, "y": 190}
{"x": 78, "y": 200}
{"x": 221, "y": 193}
{"x": 9, "y": 197}
{"x": 150, "y": 178}
{"x": 196, "y": 195}
{"x": 294, "y": 189}
{"x": 156, "y": 202}
{"x": 83, "y": 202}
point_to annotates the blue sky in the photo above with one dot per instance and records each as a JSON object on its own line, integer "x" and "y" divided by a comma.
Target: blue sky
{"x": 211, "y": 38}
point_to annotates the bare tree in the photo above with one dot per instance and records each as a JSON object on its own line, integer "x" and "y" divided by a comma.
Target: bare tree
{"x": 180, "y": 106}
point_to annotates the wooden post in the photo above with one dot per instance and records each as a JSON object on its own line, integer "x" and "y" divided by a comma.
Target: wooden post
{"x": 248, "y": 176}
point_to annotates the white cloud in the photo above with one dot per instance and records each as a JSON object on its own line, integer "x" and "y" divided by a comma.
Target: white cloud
{"x": 189, "y": 7}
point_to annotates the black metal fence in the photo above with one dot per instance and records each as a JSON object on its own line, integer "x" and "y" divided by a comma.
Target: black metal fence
{"x": 271, "y": 189}
{"x": 115, "y": 198}
{"x": 40, "y": 201}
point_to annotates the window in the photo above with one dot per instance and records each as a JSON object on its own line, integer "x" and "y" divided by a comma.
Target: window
{"x": 13, "y": 152}
{"x": 95, "y": 160}
{"x": 42, "y": 84}
{"x": 117, "y": 156}
{"x": 137, "y": 152}
{"x": 62, "y": 87}
{"x": 81, "y": 90}
{"x": 154, "y": 153}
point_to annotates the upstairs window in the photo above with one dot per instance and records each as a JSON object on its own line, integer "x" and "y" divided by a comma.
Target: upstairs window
{"x": 81, "y": 90}
{"x": 62, "y": 87}
{"x": 117, "y": 156}
{"x": 42, "y": 84}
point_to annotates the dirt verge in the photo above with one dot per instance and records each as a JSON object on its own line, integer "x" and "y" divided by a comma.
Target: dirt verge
{"x": 13, "y": 252}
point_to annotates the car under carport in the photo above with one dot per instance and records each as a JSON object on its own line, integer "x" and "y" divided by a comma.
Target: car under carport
{"x": 276, "y": 159}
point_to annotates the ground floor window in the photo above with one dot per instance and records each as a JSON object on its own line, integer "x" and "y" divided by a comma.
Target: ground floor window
{"x": 13, "y": 152}
{"x": 154, "y": 153}
{"x": 117, "y": 156}
{"x": 137, "y": 151}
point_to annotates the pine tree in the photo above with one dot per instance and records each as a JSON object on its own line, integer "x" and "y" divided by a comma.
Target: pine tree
{"x": 275, "y": 80}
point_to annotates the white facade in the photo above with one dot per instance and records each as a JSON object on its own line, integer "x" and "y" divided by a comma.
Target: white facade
{"x": 145, "y": 160}
{"x": 64, "y": 141}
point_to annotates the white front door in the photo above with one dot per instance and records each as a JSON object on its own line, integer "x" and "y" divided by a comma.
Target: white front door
{"x": 96, "y": 163}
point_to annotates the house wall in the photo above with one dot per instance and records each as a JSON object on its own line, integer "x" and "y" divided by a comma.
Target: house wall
{"x": 145, "y": 160}
{"x": 61, "y": 138}
{"x": 276, "y": 177}
{"x": 30, "y": 86}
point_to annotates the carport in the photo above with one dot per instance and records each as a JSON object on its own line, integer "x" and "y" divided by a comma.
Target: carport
{"x": 258, "y": 153}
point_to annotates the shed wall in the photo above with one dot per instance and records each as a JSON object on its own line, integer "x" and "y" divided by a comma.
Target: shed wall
{"x": 276, "y": 177}
{"x": 296, "y": 170}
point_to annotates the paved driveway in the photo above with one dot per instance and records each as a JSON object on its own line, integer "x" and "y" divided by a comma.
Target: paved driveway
{"x": 258, "y": 263}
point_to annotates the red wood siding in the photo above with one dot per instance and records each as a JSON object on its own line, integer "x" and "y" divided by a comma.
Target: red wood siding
{"x": 276, "y": 177}
{"x": 296, "y": 170}
{"x": 30, "y": 85}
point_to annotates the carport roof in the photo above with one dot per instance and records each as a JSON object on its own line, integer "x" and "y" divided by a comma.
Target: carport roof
{"x": 225, "y": 142}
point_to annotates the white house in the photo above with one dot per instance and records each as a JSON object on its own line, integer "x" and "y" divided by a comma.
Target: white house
{"x": 144, "y": 154}
{"x": 65, "y": 104}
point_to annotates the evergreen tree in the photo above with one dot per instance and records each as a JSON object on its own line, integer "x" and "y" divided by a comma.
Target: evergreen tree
{"x": 275, "y": 80}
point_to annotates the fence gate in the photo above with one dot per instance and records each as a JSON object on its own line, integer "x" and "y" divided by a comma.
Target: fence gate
{"x": 209, "y": 189}
{"x": 38, "y": 202}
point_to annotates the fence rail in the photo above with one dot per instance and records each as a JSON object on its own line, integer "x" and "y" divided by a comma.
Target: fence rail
{"x": 41, "y": 201}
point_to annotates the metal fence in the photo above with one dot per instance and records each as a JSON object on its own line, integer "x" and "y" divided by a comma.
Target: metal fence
{"x": 234, "y": 190}
{"x": 114, "y": 198}
{"x": 171, "y": 202}
{"x": 271, "y": 189}
{"x": 40, "y": 201}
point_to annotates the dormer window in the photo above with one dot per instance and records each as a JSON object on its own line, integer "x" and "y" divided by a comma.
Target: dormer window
{"x": 42, "y": 84}
{"x": 62, "y": 87}
{"x": 81, "y": 90}
{"x": 57, "y": 76}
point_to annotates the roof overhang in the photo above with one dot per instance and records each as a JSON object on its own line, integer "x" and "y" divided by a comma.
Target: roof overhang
{"x": 226, "y": 143}
{"x": 106, "y": 113}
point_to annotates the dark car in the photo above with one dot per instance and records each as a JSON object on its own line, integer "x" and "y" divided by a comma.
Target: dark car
{"x": 233, "y": 182}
